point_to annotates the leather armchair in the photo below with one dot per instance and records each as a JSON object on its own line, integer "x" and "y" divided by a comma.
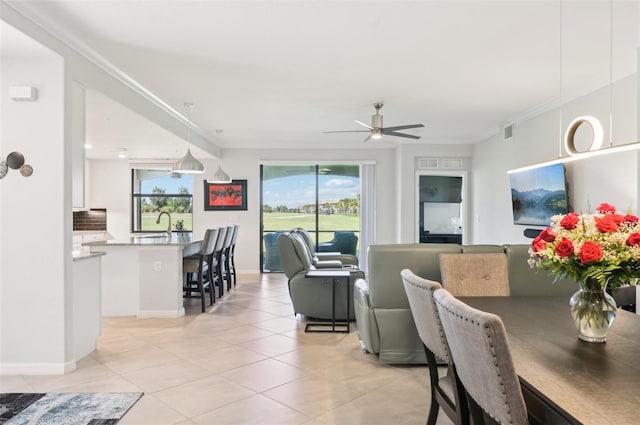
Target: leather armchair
{"x": 343, "y": 242}
{"x": 345, "y": 259}
{"x": 312, "y": 297}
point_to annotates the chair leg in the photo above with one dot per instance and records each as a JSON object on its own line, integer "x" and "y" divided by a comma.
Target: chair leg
{"x": 433, "y": 381}
{"x": 212, "y": 286}
{"x": 227, "y": 273}
{"x": 477, "y": 415}
{"x": 220, "y": 278}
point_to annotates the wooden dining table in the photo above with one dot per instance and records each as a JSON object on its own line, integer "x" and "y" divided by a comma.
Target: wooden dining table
{"x": 566, "y": 380}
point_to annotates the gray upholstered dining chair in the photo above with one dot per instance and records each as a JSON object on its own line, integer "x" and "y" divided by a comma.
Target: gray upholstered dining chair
{"x": 469, "y": 275}
{"x": 480, "y": 350}
{"x": 447, "y": 391}
{"x": 197, "y": 269}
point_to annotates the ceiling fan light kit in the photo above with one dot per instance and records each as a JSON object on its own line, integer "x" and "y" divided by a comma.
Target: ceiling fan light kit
{"x": 376, "y": 130}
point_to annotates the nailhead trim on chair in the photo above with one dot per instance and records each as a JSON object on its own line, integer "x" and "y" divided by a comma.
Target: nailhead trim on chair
{"x": 504, "y": 393}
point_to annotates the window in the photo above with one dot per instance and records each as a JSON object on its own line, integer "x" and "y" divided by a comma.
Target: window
{"x": 323, "y": 199}
{"x": 156, "y": 191}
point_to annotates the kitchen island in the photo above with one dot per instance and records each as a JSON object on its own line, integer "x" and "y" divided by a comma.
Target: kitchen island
{"x": 142, "y": 275}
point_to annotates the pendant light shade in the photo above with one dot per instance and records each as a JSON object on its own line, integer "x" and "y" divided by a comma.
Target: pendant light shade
{"x": 220, "y": 176}
{"x": 188, "y": 164}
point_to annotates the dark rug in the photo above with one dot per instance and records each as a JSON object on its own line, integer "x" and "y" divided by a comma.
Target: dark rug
{"x": 65, "y": 408}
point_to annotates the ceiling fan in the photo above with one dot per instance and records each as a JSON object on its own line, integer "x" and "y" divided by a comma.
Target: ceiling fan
{"x": 376, "y": 129}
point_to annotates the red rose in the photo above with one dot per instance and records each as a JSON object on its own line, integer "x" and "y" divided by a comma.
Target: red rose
{"x": 630, "y": 218}
{"x": 606, "y": 224}
{"x": 547, "y": 235}
{"x": 570, "y": 221}
{"x": 605, "y": 208}
{"x": 564, "y": 248}
{"x": 633, "y": 239}
{"x": 590, "y": 252}
{"x": 538, "y": 244}
{"x": 617, "y": 218}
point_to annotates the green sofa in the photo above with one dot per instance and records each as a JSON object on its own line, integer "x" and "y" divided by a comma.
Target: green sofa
{"x": 384, "y": 321}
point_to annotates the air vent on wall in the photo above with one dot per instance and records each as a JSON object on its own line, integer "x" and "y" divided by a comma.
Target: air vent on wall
{"x": 427, "y": 163}
{"x": 507, "y": 132}
{"x": 452, "y": 163}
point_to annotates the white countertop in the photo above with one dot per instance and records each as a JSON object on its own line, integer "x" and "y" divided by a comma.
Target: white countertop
{"x": 154, "y": 239}
{"x": 77, "y": 256}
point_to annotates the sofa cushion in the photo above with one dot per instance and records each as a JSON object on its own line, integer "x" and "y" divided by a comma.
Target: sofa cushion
{"x": 525, "y": 281}
{"x": 468, "y": 275}
{"x": 387, "y": 261}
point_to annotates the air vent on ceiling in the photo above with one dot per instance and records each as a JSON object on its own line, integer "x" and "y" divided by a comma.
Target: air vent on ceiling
{"x": 507, "y": 132}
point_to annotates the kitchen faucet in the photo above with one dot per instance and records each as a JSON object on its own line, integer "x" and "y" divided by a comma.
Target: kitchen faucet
{"x": 168, "y": 215}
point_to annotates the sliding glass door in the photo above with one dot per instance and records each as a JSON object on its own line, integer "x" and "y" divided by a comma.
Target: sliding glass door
{"x": 324, "y": 199}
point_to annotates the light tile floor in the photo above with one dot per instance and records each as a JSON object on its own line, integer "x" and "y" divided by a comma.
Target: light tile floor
{"x": 246, "y": 360}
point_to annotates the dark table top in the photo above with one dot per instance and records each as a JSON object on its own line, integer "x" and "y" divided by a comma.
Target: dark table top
{"x": 595, "y": 383}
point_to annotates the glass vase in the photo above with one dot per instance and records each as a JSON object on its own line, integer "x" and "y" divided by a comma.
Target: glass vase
{"x": 593, "y": 311}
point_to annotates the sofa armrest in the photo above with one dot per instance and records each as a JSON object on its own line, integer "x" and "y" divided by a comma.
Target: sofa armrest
{"x": 328, "y": 264}
{"x": 346, "y": 259}
{"x": 367, "y": 326}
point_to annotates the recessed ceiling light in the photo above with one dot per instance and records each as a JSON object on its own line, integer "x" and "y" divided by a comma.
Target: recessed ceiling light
{"x": 87, "y": 146}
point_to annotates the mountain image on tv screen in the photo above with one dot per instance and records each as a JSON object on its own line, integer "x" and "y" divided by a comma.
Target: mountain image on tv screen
{"x": 538, "y": 194}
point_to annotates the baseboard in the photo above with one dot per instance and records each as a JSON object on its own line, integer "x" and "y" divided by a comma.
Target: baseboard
{"x": 170, "y": 314}
{"x": 37, "y": 368}
{"x": 248, "y": 272}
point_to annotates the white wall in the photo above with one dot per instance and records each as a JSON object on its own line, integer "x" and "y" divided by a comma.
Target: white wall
{"x": 610, "y": 178}
{"x": 110, "y": 187}
{"x": 35, "y": 222}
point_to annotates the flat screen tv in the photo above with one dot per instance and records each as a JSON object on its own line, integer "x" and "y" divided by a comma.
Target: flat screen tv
{"x": 537, "y": 194}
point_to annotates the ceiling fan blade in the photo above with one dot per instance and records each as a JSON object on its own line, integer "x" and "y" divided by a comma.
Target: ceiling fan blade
{"x": 363, "y": 124}
{"x": 348, "y": 131}
{"x": 402, "y": 127}
{"x": 367, "y": 139}
{"x": 392, "y": 133}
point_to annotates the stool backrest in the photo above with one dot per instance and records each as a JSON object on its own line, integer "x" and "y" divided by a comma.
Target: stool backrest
{"x": 220, "y": 241}
{"x": 235, "y": 235}
{"x": 209, "y": 242}
{"x": 228, "y": 237}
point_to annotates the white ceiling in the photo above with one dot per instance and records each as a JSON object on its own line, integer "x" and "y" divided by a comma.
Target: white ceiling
{"x": 279, "y": 74}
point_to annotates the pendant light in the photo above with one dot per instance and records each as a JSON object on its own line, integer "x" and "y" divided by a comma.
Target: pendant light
{"x": 219, "y": 176}
{"x": 188, "y": 164}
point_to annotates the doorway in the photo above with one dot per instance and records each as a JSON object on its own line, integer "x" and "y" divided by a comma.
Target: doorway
{"x": 441, "y": 210}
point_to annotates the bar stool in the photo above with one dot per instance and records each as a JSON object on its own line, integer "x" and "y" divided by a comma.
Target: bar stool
{"x": 197, "y": 270}
{"x": 232, "y": 250}
{"x": 226, "y": 248}
{"x": 217, "y": 261}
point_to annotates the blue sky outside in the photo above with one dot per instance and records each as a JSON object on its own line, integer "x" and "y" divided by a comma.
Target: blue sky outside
{"x": 171, "y": 184}
{"x": 550, "y": 177}
{"x": 298, "y": 190}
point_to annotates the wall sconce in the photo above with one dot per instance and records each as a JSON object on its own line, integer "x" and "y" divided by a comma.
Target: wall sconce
{"x": 15, "y": 161}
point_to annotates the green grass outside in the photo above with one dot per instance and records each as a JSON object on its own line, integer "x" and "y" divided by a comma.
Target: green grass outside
{"x": 149, "y": 221}
{"x": 279, "y": 221}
